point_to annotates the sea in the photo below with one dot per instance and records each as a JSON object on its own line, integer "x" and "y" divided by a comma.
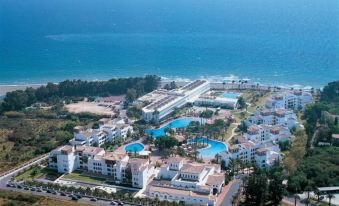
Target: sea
{"x": 280, "y": 42}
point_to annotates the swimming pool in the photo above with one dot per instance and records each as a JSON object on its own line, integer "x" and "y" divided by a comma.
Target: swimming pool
{"x": 230, "y": 95}
{"x": 214, "y": 147}
{"x": 177, "y": 123}
{"x": 134, "y": 147}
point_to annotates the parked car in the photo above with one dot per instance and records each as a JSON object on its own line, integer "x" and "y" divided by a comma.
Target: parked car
{"x": 33, "y": 189}
{"x": 39, "y": 190}
{"x": 93, "y": 199}
{"x": 114, "y": 203}
{"x": 74, "y": 198}
{"x": 63, "y": 194}
{"x": 19, "y": 186}
{"x": 78, "y": 196}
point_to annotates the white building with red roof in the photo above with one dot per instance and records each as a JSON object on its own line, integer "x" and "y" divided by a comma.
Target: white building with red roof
{"x": 108, "y": 130}
{"x": 182, "y": 180}
{"x": 115, "y": 167}
{"x": 293, "y": 99}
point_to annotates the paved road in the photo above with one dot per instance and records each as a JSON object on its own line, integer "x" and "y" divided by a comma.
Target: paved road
{"x": 4, "y": 179}
{"x": 7, "y": 177}
{"x": 231, "y": 191}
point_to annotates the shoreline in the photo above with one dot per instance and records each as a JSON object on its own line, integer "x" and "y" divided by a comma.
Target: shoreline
{"x": 9, "y": 88}
{"x": 4, "y": 88}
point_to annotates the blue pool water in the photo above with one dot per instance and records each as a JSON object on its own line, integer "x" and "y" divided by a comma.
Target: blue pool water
{"x": 230, "y": 95}
{"x": 215, "y": 147}
{"x": 135, "y": 147}
{"x": 178, "y": 123}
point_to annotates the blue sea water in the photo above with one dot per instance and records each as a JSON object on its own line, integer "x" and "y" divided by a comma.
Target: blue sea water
{"x": 284, "y": 42}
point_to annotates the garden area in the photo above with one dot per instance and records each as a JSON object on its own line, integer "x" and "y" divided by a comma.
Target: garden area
{"x": 37, "y": 172}
{"x": 79, "y": 176}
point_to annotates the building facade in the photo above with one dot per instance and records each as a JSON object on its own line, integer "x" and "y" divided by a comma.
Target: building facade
{"x": 115, "y": 167}
{"x": 162, "y": 103}
{"x": 108, "y": 130}
{"x": 182, "y": 181}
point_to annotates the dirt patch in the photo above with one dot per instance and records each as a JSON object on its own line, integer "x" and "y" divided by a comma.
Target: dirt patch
{"x": 91, "y": 107}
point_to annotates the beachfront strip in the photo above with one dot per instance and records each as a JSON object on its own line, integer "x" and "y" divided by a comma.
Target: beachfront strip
{"x": 107, "y": 131}
{"x": 267, "y": 127}
{"x": 161, "y": 103}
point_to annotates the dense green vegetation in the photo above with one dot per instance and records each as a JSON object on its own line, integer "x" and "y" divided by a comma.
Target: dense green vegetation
{"x": 264, "y": 187}
{"x": 165, "y": 142}
{"x": 24, "y": 138}
{"x": 217, "y": 130}
{"x": 53, "y": 93}
{"x": 319, "y": 166}
{"x": 242, "y": 103}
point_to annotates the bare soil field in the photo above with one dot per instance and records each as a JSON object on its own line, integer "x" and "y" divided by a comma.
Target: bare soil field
{"x": 92, "y": 107}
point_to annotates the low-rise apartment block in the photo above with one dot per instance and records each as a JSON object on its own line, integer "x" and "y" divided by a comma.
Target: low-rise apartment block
{"x": 281, "y": 117}
{"x": 108, "y": 130}
{"x": 294, "y": 99}
{"x": 115, "y": 167}
{"x": 262, "y": 154}
{"x": 192, "y": 183}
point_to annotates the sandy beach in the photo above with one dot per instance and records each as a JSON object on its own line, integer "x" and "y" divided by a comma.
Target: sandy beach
{"x": 8, "y": 88}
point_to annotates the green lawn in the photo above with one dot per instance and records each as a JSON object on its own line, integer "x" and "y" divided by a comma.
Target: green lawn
{"x": 37, "y": 172}
{"x": 80, "y": 177}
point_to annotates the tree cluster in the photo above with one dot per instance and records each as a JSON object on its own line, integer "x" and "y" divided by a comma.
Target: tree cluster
{"x": 53, "y": 93}
{"x": 264, "y": 186}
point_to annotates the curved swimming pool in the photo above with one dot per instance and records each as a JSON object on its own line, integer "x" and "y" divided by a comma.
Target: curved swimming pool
{"x": 177, "y": 123}
{"x": 134, "y": 147}
{"x": 215, "y": 147}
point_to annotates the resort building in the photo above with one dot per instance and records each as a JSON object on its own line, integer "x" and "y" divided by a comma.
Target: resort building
{"x": 217, "y": 99}
{"x": 162, "y": 103}
{"x": 263, "y": 133}
{"x": 282, "y": 117}
{"x": 293, "y": 99}
{"x": 108, "y": 130}
{"x": 115, "y": 167}
{"x": 192, "y": 183}
{"x": 262, "y": 154}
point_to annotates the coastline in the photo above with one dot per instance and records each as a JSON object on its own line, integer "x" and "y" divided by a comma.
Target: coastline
{"x": 180, "y": 81}
{"x": 9, "y": 88}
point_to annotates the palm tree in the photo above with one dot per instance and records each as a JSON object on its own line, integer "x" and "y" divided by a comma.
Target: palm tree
{"x": 295, "y": 199}
{"x": 330, "y": 196}
{"x": 217, "y": 157}
{"x": 308, "y": 189}
{"x": 196, "y": 154}
{"x": 234, "y": 200}
{"x": 317, "y": 192}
